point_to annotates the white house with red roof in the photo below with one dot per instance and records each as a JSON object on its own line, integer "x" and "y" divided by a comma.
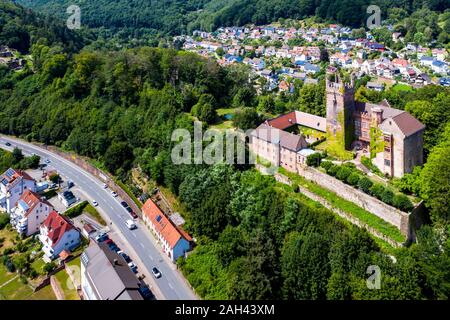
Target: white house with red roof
{"x": 57, "y": 233}
{"x": 13, "y": 183}
{"x": 29, "y": 213}
{"x": 175, "y": 242}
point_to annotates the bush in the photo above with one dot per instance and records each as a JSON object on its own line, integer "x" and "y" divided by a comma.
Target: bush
{"x": 402, "y": 202}
{"x": 377, "y": 190}
{"x": 77, "y": 210}
{"x": 333, "y": 170}
{"x": 353, "y": 179}
{"x": 326, "y": 165}
{"x": 10, "y": 266}
{"x": 387, "y": 196}
{"x": 8, "y": 251}
{"x": 343, "y": 173}
{"x": 49, "y": 267}
{"x": 365, "y": 184}
{"x": 313, "y": 160}
{"x": 4, "y": 220}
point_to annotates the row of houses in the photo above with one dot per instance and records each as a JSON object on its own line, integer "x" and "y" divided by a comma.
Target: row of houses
{"x": 30, "y": 214}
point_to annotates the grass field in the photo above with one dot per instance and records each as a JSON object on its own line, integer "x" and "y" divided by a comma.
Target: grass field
{"x": 94, "y": 214}
{"x": 4, "y": 274}
{"x": 37, "y": 265}
{"x": 67, "y": 286}
{"x": 45, "y": 293}
{"x": 402, "y": 87}
{"x": 15, "y": 290}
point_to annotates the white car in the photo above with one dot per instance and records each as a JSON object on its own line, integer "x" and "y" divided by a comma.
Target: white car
{"x": 130, "y": 224}
{"x": 105, "y": 186}
{"x": 114, "y": 194}
{"x": 133, "y": 267}
{"x": 47, "y": 161}
{"x": 94, "y": 203}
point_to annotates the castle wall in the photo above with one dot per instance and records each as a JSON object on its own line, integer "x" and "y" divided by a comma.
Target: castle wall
{"x": 388, "y": 213}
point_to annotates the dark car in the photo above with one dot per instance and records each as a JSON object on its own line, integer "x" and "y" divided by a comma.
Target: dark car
{"x": 129, "y": 209}
{"x": 8, "y": 144}
{"x": 124, "y": 204}
{"x": 133, "y": 214}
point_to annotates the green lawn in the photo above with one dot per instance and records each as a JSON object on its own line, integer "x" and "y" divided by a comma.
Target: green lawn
{"x": 402, "y": 87}
{"x": 4, "y": 274}
{"x": 37, "y": 265}
{"x": 89, "y": 209}
{"x": 223, "y": 111}
{"x": 364, "y": 216}
{"x": 15, "y": 290}
{"x": 67, "y": 286}
{"x": 45, "y": 293}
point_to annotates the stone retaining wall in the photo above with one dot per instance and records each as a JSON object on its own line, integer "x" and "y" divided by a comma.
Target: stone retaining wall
{"x": 386, "y": 212}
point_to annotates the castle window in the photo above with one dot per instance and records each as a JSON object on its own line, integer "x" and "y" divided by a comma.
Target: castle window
{"x": 387, "y": 162}
{"x": 365, "y": 134}
{"x": 357, "y": 123}
{"x": 387, "y": 149}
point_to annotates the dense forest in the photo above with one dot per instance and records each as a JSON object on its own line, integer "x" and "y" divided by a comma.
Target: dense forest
{"x": 181, "y": 16}
{"x": 256, "y": 239}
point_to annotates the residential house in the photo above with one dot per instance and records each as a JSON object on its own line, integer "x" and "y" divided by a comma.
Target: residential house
{"x": 439, "y": 67}
{"x": 175, "y": 242}
{"x": 57, "y": 233}
{"x": 13, "y": 183}
{"x": 67, "y": 198}
{"x": 426, "y": 61}
{"x": 105, "y": 275}
{"x": 30, "y": 212}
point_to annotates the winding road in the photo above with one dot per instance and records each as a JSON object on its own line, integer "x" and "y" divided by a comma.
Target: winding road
{"x": 172, "y": 286}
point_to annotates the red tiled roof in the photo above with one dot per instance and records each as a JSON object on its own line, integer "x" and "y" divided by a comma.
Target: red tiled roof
{"x": 284, "y": 121}
{"x": 163, "y": 225}
{"x": 32, "y": 199}
{"x": 57, "y": 225}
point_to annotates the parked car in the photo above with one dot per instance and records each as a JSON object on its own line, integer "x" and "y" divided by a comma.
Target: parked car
{"x": 156, "y": 272}
{"x": 124, "y": 255}
{"x": 114, "y": 194}
{"x": 130, "y": 224}
{"x": 94, "y": 203}
{"x": 101, "y": 237}
{"x": 124, "y": 204}
{"x": 47, "y": 161}
{"x": 146, "y": 293}
{"x": 129, "y": 209}
{"x": 133, "y": 267}
{"x": 133, "y": 214}
{"x": 105, "y": 186}
{"x": 8, "y": 144}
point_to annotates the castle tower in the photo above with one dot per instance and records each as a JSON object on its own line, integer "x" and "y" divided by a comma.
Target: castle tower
{"x": 340, "y": 108}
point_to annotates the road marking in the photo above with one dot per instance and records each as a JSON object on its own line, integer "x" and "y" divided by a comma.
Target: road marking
{"x": 170, "y": 286}
{"x": 142, "y": 245}
{"x": 151, "y": 258}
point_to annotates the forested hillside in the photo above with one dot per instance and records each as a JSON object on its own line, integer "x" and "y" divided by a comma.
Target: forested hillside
{"x": 180, "y": 16}
{"x": 20, "y": 28}
{"x": 256, "y": 239}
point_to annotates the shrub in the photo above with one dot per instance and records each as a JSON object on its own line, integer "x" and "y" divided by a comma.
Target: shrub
{"x": 313, "y": 160}
{"x": 353, "y": 179}
{"x": 8, "y": 251}
{"x": 4, "y": 220}
{"x": 326, "y": 165}
{"x": 365, "y": 184}
{"x": 77, "y": 210}
{"x": 333, "y": 170}
{"x": 387, "y": 196}
{"x": 343, "y": 173}
{"x": 10, "y": 266}
{"x": 49, "y": 267}
{"x": 377, "y": 190}
{"x": 402, "y": 202}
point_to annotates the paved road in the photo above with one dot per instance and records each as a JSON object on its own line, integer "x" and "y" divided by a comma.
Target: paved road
{"x": 171, "y": 284}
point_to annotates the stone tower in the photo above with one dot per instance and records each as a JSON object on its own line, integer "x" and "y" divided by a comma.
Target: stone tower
{"x": 340, "y": 108}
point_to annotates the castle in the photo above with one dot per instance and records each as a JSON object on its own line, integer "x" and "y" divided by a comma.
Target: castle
{"x": 393, "y": 137}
